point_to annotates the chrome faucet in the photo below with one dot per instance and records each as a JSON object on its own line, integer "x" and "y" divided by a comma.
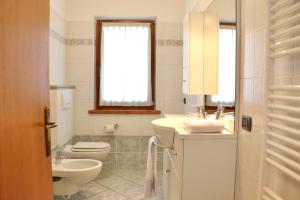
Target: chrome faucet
{"x": 201, "y": 112}
{"x": 220, "y": 112}
{"x": 59, "y": 155}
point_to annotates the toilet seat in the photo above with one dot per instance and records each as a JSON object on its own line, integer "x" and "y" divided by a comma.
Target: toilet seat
{"x": 90, "y": 146}
{"x": 90, "y": 152}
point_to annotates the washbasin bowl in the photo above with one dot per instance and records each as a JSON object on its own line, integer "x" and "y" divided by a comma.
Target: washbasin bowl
{"x": 164, "y": 128}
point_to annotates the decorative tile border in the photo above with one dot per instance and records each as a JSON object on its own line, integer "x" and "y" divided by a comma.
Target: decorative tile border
{"x": 77, "y": 42}
{"x": 90, "y": 42}
{"x": 59, "y": 37}
{"x": 172, "y": 43}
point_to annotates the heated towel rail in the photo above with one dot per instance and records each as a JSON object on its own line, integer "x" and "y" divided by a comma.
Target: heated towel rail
{"x": 282, "y": 149}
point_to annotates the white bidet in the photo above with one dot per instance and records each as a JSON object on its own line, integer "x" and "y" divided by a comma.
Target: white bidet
{"x": 74, "y": 174}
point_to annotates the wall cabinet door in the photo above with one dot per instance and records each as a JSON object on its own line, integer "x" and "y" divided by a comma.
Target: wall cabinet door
{"x": 200, "y": 53}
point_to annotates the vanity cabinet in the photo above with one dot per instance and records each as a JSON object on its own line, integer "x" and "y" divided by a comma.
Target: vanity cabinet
{"x": 200, "y": 53}
{"x": 200, "y": 167}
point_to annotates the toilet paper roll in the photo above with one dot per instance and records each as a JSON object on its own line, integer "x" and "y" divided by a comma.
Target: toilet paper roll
{"x": 110, "y": 128}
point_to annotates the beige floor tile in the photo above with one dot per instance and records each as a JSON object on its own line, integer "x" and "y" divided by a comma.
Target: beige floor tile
{"x": 92, "y": 189}
{"x": 108, "y": 195}
{"x": 128, "y": 189}
{"x": 140, "y": 181}
{"x": 111, "y": 180}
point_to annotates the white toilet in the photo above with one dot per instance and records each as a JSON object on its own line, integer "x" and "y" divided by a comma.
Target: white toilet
{"x": 88, "y": 150}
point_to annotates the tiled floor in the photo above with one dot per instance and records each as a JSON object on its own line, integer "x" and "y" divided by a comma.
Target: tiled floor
{"x": 117, "y": 185}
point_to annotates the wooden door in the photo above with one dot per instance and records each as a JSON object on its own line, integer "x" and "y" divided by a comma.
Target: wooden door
{"x": 25, "y": 171}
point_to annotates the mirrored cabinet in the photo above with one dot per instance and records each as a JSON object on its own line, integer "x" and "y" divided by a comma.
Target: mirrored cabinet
{"x": 200, "y": 53}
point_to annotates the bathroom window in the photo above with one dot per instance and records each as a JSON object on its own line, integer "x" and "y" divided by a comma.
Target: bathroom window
{"x": 125, "y": 67}
{"x": 227, "y": 68}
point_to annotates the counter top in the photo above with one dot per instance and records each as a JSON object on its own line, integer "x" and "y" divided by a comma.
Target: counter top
{"x": 183, "y": 134}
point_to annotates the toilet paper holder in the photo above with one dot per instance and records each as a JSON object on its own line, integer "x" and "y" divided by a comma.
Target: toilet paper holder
{"x": 115, "y": 126}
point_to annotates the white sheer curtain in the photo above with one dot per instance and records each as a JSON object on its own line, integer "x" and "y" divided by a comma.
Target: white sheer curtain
{"x": 227, "y": 67}
{"x": 125, "y": 65}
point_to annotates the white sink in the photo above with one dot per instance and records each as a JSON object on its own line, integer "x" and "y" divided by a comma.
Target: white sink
{"x": 164, "y": 128}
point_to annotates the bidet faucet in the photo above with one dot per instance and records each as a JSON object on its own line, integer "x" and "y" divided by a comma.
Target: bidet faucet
{"x": 220, "y": 112}
{"x": 201, "y": 112}
{"x": 59, "y": 155}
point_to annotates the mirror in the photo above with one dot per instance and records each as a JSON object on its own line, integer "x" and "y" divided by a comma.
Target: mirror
{"x": 226, "y": 11}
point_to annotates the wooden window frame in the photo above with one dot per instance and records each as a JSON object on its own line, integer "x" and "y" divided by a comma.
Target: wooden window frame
{"x": 123, "y": 109}
{"x": 212, "y": 109}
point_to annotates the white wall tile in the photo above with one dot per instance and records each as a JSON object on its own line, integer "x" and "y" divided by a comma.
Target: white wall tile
{"x": 169, "y": 31}
{"x": 259, "y": 52}
{"x": 248, "y": 55}
{"x": 80, "y": 73}
{"x": 56, "y": 62}
{"x": 248, "y": 19}
{"x": 258, "y": 106}
{"x": 80, "y": 54}
{"x": 80, "y": 29}
{"x": 259, "y": 13}
{"x": 84, "y": 91}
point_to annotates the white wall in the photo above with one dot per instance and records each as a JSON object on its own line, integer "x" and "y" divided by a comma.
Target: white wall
{"x": 164, "y": 10}
{"x": 56, "y": 43}
{"x": 197, "y": 5}
{"x": 252, "y": 98}
{"x": 226, "y": 9}
{"x": 80, "y": 60}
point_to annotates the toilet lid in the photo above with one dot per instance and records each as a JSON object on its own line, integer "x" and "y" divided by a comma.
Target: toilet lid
{"x": 90, "y": 145}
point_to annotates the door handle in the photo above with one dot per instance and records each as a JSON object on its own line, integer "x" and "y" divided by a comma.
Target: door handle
{"x": 48, "y": 125}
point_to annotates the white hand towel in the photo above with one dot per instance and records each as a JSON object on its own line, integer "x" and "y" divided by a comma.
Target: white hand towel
{"x": 203, "y": 126}
{"x": 150, "y": 185}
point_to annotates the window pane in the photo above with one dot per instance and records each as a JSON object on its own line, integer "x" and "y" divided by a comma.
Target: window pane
{"x": 227, "y": 67}
{"x": 126, "y": 65}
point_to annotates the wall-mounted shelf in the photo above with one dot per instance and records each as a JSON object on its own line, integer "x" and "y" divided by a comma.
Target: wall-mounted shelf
{"x": 56, "y": 87}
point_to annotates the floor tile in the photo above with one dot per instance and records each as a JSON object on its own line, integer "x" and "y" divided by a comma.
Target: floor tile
{"x": 128, "y": 189}
{"x": 92, "y": 189}
{"x": 108, "y": 195}
{"x": 111, "y": 180}
{"x": 140, "y": 181}
{"x": 73, "y": 197}
{"x": 132, "y": 176}
{"x": 142, "y": 197}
